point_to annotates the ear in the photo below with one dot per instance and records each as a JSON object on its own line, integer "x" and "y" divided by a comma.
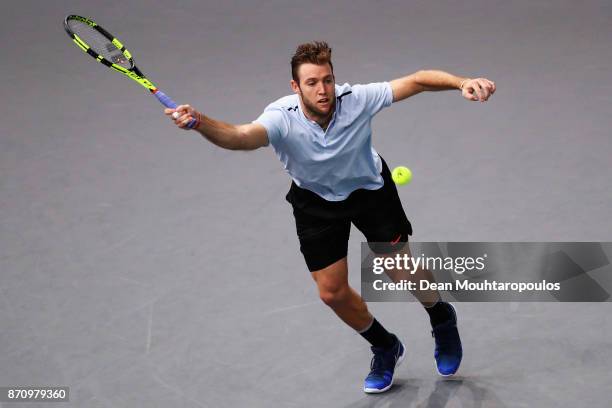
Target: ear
{"x": 295, "y": 86}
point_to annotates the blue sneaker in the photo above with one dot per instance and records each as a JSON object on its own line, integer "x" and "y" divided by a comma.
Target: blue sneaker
{"x": 382, "y": 367}
{"x": 448, "y": 352}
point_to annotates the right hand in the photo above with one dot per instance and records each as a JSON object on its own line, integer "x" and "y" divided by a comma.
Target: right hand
{"x": 184, "y": 114}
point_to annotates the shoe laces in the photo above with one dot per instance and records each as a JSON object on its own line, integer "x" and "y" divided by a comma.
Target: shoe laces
{"x": 444, "y": 336}
{"x": 377, "y": 364}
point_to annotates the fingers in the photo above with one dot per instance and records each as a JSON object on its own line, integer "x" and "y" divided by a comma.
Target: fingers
{"x": 181, "y": 116}
{"x": 479, "y": 89}
{"x": 468, "y": 93}
{"x": 182, "y": 120}
{"x": 492, "y": 85}
{"x": 485, "y": 86}
{"x": 184, "y": 109}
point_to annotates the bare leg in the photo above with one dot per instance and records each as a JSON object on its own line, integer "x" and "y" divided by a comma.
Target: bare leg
{"x": 335, "y": 292}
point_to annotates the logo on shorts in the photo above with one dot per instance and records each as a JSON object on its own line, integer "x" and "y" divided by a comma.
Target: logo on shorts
{"x": 396, "y": 240}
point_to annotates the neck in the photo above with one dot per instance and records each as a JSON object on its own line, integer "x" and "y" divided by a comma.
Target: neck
{"x": 321, "y": 120}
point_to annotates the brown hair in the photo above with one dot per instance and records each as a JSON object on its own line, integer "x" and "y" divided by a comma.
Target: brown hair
{"x": 316, "y": 52}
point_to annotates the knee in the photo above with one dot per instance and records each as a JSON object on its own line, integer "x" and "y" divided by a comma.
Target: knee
{"x": 334, "y": 293}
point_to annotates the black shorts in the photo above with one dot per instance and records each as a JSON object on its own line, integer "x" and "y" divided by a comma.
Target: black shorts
{"x": 323, "y": 227}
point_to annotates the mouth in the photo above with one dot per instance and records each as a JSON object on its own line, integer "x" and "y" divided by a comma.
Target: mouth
{"x": 323, "y": 101}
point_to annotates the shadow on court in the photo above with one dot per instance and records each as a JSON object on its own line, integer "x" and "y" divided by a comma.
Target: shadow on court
{"x": 451, "y": 392}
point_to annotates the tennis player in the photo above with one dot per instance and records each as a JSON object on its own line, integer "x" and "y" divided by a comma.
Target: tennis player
{"x": 322, "y": 135}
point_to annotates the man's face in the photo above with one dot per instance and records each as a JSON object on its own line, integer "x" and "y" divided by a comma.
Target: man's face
{"x": 316, "y": 88}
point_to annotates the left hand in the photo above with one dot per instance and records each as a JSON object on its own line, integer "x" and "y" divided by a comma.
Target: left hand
{"x": 478, "y": 89}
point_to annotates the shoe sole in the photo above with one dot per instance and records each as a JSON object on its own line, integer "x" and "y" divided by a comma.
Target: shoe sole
{"x": 397, "y": 364}
{"x": 447, "y": 375}
{"x": 435, "y": 362}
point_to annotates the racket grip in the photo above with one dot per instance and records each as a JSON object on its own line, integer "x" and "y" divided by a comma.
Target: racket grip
{"x": 169, "y": 103}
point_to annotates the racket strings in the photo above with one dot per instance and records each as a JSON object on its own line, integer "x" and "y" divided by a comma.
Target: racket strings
{"x": 99, "y": 43}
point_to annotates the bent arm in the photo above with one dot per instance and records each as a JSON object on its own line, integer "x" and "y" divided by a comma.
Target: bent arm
{"x": 250, "y": 136}
{"x": 477, "y": 89}
{"x": 424, "y": 80}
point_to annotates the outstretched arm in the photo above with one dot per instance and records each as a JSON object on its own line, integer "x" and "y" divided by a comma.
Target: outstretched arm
{"x": 233, "y": 137}
{"x": 478, "y": 89}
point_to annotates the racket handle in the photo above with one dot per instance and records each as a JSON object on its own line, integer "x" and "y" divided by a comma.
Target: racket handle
{"x": 169, "y": 103}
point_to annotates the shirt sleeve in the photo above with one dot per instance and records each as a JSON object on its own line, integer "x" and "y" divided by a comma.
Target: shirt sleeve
{"x": 274, "y": 122}
{"x": 376, "y": 96}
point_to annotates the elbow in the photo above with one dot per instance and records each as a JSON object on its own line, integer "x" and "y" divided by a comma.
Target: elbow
{"x": 422, "y": 80}
{"x": 245, "y": 138}
{"x": 239, "y": 141}
{"x": 419, "y": 77}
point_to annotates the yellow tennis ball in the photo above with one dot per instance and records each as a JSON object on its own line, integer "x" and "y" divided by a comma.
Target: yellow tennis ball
{"x": 401, "y": 175}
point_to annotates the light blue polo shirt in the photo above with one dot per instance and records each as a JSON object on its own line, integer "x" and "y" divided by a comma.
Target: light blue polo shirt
{"x": 335, "y": 162}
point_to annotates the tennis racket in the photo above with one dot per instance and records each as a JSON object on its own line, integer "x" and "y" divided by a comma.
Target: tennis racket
{"x": 105, "y": 48}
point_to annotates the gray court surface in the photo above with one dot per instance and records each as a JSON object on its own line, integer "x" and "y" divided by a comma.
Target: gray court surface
{"x": 144, "y": 267}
